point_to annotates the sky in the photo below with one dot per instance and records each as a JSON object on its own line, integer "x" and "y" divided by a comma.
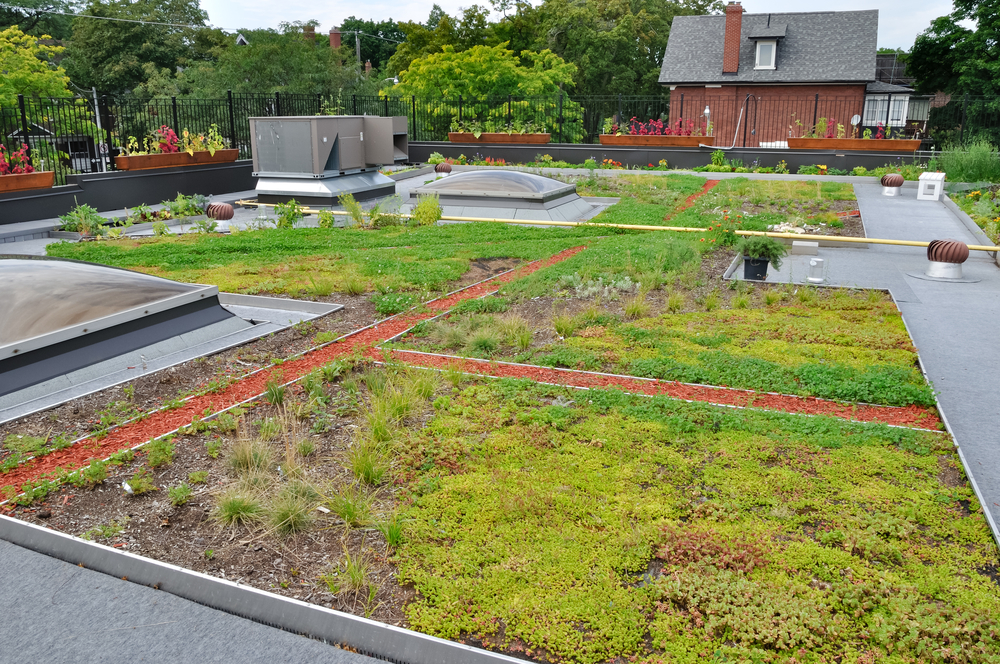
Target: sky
{"x": 898, "y": 25}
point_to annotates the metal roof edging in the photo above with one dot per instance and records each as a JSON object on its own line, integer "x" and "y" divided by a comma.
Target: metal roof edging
{"x": 367, "y": 637}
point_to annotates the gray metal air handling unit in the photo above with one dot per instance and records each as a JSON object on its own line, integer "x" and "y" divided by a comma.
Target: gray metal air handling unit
{"x": 61, "y": 315}
{"x": 316, "y": 159}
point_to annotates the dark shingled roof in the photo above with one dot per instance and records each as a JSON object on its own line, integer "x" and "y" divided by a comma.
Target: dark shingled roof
{"x": 818, "y": 47}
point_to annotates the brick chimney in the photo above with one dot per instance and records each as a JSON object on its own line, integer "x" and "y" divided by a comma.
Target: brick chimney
{"x": 334, "y": 37}
{"x": 368, "y": 66}
{"x": 731, "y": 47}
{"x": 309, "y": 33}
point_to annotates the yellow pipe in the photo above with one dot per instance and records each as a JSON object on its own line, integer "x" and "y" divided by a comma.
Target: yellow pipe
{"x": 857, "y": 240}
{"x": 678, "y": 229}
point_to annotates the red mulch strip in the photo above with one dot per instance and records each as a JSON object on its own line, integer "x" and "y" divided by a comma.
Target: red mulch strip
{"x": 160, "y": 423}
{"x": 709, "y": 184}
{"x": 910, "y": 416}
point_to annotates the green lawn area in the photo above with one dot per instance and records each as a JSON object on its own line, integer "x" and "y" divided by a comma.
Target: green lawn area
{"x": 314, "y": 260}
{"x": 589, "y": 526}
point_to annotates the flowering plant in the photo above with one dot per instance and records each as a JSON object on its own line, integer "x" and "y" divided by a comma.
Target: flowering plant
{"x": 16, "y": 162}
{"x": 659, "y": 128}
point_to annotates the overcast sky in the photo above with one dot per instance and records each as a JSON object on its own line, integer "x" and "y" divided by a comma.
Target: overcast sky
{"x": 899, "y": 23}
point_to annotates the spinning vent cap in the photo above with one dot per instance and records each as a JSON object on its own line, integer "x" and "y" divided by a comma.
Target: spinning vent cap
{"x": 947, "y": 251}
{"x": 443, "y": 167}
{"x": 219, "y": 211}
{"x": 892, "y": 180}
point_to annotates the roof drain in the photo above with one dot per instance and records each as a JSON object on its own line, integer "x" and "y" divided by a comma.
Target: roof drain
{"x": 738, "y": 122}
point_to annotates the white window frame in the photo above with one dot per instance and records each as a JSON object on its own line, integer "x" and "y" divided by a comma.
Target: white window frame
{"x": 774, "y": 53}
{"x": 875, "y": 107}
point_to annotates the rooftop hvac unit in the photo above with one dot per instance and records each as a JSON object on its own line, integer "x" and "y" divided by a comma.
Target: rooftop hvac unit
{"x": 316, "y": 159}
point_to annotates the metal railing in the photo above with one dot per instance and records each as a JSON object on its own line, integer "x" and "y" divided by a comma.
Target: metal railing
{"x": 84, "y": 133}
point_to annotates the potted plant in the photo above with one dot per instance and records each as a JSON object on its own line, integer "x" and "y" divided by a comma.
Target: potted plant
{"x": 163, "y": 148}
{"x": 515, "y": 131}
{"x": 758, "y": 251}
{"x": 829, "y": 135}
{"x": 656, "y": 133}
{"x": 17, "y": 173}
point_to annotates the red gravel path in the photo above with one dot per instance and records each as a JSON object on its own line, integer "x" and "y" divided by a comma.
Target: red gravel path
{"x": 162, "y": 422}
{"x": 709, "y": 184}
{"x": 910, "y": 416}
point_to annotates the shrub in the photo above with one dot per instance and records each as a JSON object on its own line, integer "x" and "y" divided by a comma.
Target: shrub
{"x": 291, "y": 512}
{"x": 978, "y": 162}
{"x": 236, "y": 508}
{"x": 160, "y": 452}
{"x": 427, "y": 211}
{"x": 762, "y": 247}
{"x": 289, "y": 214}
{"x": 179, "y": 494}
{"x": 389, "y": 304}
{"x": 353, "y": 209}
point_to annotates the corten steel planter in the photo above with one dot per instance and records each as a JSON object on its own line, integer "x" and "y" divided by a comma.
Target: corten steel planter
{"x": 860, "y": 144}
{"x": 466, "y": 137}
{"x": 25, "y": 181}
{"x": 657, "y": 141}
{"x": 143, "y": 162}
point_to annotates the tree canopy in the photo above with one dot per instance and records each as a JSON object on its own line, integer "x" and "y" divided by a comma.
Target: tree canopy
{"x": 378, "y": 41}
{"x": 486, "y": 71}
{"x": 116, "y": 56}
{"x": 953, "y": 58}
{"x": 27, "y": 67}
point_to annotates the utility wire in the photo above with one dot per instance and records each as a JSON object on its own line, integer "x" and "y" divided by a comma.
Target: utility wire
{"x": 102, "y": 18}
{"x": 142, "y": 22}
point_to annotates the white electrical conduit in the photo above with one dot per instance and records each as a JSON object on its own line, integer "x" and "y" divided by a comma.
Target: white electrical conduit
{"x": 735, "y": 133}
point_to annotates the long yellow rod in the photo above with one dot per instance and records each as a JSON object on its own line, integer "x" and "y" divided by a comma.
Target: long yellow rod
{"x": 678, "y": 229}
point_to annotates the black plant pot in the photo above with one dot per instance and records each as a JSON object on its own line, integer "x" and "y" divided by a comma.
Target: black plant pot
{"x": 754, "y": 269}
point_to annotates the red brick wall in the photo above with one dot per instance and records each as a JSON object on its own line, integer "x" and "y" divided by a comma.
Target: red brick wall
{"x": 779, "y": 109}
{"x": 734, "y": 27}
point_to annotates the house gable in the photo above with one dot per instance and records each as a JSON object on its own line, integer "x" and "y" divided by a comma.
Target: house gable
{"x": 812, "y": 47}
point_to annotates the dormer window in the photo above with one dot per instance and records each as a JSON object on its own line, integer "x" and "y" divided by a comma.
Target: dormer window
{"x": 766, "y": 50}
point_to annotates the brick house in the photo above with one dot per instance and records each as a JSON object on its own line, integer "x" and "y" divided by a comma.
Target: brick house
{"x": 765, "y": 77}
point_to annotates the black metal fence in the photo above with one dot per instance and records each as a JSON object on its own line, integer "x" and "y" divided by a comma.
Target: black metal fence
{"x": 83, "y": 134}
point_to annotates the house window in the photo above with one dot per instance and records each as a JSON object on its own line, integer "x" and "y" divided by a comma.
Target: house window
{"x": 879, "y": 108}
{"x": 765, "y": 54}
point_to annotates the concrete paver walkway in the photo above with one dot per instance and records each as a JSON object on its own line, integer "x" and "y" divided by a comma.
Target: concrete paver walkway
{"x": 954, "y": 325}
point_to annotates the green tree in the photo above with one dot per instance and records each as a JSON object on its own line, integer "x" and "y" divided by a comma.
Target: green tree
{"x": 272, "y": 61}
{"x": 27, "y": 67}
{"x": 378, "y": 40}
{"x": 117, "y": 56}
{"x": 617, "y": 46}
{"x": 471, "y": 29}
{"x": 35, "y": 17}
{"x": 485, "y": 71}
{"x": 951, "y": 57}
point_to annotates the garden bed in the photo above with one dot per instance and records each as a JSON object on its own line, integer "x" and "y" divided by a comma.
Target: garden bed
{"x": 553, "y": 524}
{"x": 873, "y": 145}
{"x": 561, "y": 526}
{"x": 657, "y": 141}
{"x": 502, "y": 137}
{"x": 170, "y": 159}
{"x": 27, "y": 181}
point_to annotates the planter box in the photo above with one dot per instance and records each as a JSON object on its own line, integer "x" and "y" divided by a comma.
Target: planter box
{"x": 861, "y": 144}
{"x": 166, "y": 160}
{"x": 657, "y": 141}
{"x": 464, "y": 137}
{"x": 24, "y": 181}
